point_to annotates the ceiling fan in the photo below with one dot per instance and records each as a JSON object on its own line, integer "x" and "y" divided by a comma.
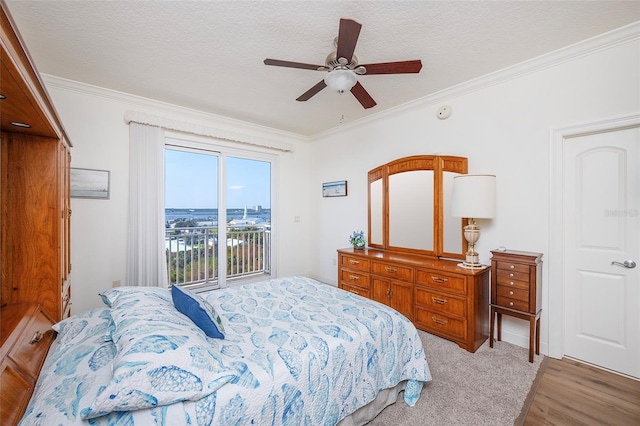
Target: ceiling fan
{"x": 342, "y": 67}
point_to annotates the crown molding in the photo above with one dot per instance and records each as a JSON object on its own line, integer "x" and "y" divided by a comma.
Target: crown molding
{"x": 171, "y": 111}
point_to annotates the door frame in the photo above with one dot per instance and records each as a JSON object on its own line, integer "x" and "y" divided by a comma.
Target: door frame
{"x": 555, "y": 285}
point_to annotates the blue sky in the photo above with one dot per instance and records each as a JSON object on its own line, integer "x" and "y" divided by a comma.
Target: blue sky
{"x": 191, "y": 181}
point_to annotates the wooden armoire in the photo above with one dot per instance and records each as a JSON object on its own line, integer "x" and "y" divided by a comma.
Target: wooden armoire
{"x": 34, "y": 186}
{"x": 35, "y": 215}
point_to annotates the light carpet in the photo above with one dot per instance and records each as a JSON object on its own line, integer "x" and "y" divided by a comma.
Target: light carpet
{"x": 488, "y": 387}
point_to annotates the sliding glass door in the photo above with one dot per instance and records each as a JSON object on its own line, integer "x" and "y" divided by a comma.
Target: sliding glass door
{"x": 217, "y": 215}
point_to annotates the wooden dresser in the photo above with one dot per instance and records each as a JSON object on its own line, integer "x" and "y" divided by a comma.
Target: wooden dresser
{"x": 436, "y": 295}
{"x": 517, "y": 291}
{"x": 35, "y": 265}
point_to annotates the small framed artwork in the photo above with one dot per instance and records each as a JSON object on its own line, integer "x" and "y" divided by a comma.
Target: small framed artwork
{"x": 334, "y": 189}
{"x": 90, "y": 183}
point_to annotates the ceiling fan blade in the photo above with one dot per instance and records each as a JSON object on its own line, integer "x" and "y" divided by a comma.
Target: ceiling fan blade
{"x": 289, "y": 64}
{"x": 402, "y": 67}
{"x": 309, "y": 93}
{"x": 347, "y": 39}
{"x": 363, "y": 96}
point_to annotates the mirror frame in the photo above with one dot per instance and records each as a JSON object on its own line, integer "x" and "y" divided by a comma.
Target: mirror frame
{"x": 438, "y": 164}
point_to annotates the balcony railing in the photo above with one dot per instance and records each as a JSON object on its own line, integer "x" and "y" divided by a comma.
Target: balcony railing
{"x": 193, "y": 253}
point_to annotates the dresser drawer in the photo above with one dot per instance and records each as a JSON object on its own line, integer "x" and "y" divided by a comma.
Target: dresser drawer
{"x": 356, "y": 290}
{"x": 392, "y": 271}
{"x": 439, "y": 302}
{"x": 505, "y": 276}
{"x": 440, "y": 281}
{"x": 33, "y": 344}
{"x": 354, "y": 278}
{"x": 513, "y": 293}
{"x": 16, "y": 395}
{"x": 353, "y": 262}
{"x": 440, "y": 324}
{"x": 511, "y": 303}
{"x": 512, "y": 266}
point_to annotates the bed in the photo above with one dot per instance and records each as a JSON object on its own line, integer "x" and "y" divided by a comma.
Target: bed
{"x": 295, "y": 352}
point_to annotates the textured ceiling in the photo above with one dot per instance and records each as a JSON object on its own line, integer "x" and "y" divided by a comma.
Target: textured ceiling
{"x": 208, "y": 55}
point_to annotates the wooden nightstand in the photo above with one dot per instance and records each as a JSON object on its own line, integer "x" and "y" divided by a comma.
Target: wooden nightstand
{"x": 516, "y": 290}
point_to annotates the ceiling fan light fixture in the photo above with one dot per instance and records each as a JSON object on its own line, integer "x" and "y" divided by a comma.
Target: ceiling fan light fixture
{"x": 340, "y": 80}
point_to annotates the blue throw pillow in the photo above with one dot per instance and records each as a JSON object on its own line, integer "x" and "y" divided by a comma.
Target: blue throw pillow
{"x": 198, "y": 310}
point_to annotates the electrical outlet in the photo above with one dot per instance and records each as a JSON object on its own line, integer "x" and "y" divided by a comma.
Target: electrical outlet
{"x": 117, "y": 283}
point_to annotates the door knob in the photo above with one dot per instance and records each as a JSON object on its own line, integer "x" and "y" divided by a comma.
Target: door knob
{"x": 626, "y": 264}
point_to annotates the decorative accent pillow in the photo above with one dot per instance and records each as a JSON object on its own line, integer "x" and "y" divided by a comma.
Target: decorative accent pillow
{"x": 162, "y": 358}
{"x": 198, "y": 310}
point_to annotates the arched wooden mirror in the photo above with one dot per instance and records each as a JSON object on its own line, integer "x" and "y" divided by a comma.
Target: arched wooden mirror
{"x": 410, "y": 204}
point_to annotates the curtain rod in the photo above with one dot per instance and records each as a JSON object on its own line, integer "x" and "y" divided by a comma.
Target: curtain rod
{"x": 197, "y": 129}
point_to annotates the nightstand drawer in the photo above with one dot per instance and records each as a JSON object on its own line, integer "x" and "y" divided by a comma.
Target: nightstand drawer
{"x": 511, "y": 303}
{"x": 513, "y": 293}
{"x": 440, "y": 281}
{"x": 507, "y": 275}
{"x": 353, "y": 262}
{"x": 440, "y": 302}
{"x": 354, "y": 278}
{"x": 392, "y": 271}
{"x": 356, "y": 290}
{"x": 505, "y": 278}
{"x": 441, "y": 324}
{"x": 514, "y": 267}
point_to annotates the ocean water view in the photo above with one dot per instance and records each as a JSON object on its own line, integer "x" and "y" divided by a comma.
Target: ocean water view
{"x": 212, "y": 214}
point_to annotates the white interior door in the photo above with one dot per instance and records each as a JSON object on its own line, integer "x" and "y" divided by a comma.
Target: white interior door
{"x": 601, "y": 227}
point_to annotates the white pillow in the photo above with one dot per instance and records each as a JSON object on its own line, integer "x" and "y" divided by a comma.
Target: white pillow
{"x": 162, "y": 358}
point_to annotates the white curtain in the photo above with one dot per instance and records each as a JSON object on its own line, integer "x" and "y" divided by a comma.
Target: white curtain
{"x": 146, "y": 261}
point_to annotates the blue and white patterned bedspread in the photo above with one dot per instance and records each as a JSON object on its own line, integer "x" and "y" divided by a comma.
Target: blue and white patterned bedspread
{"x": 309, "y": 353}
{"x": 300, "y": 352}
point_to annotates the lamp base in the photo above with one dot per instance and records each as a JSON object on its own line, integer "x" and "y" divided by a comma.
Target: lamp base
{"x": 471, "y": 265}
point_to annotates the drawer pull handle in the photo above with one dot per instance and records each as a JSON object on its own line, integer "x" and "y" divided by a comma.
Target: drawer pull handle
{"x": 354, "y": 277}
{"x": 511, "y": 293}
{"x": 354, "y": 291}
{"x": 512, "y": 266}
{"x": 510, "y": 282}
{"x": 37, "y": 336}
{"x": 439, "y": 321}
{"x": 439, "y": 280}
{"x": 511, "y": 275}
{"x": 510, "y": 303}
{"x": 354, "y": 262}
{"x": 438, "y": 300}
{"x": 390, "y": 270}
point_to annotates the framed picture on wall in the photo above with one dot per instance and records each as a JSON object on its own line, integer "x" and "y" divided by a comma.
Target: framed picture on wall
{"x": 334, "y": 189}
{"x": 90, "y": 183}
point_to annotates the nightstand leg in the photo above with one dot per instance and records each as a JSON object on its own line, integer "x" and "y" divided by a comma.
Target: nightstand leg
{"x": 493, "y": 314}
{"x": 499, "y": 326}
{"x": 538, "y": 336}
{"x": 532, "y": 333}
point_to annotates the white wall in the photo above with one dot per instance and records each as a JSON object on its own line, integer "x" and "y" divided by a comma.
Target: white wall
{"x": 94, "y": 120}
{"x": 502, "y": 124}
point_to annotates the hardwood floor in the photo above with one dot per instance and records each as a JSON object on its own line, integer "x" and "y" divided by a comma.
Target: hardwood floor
{"x": 573, "y": 393}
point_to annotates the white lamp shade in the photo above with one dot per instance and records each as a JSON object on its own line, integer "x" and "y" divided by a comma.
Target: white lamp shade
{"x": 474, "y": 196}
{"x": 340, "y": 80}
